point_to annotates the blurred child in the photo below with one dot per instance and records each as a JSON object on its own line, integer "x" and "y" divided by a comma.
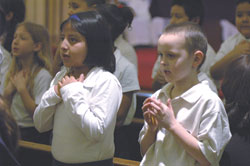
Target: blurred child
{"x": 236, "y": 90}
{"x": 182, "y": 11}
{"x": 235, "y": 45}
{"x": 185, "y": 122}
{"x": 28, "y": 77}
{"x": 9, "y": 136}
{"x": 118, "y": 19}
{"x": 12, "y": 12}
{"x": 82, "y": 102}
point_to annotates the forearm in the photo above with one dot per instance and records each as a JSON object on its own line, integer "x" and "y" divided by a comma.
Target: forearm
{"x": 28, "y": 101}
{"x": 189, "y": 143}
{"x": 218, "y": 69}
{"x": 124, "y": 108}
{"x": 148, "y": 139}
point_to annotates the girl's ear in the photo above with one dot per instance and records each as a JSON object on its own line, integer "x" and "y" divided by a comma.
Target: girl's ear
{"x": 37, "y": 47}
{"x": 198, "y": 58}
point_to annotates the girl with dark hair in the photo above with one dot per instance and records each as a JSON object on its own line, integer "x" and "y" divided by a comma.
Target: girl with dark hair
{"x": 9, "y": 136}
{"x": 82, "y": 102}
{"x": 235, "y": 88}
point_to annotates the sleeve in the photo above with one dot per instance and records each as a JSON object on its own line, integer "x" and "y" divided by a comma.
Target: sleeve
{"x": 214, "y": 132}
{"x": 42, "y": 83}
{"x": 156, "y": 66}
{"x": 44, "y": 113}
{"x": 129, "y": 78}
{"x": 94, "y": 114}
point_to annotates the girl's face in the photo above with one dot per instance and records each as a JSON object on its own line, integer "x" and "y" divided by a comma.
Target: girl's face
{"x": 73, "y": 50}
{"x": 76, "y": 6}
{"x": 176, "y": 63}
{"x": 23, "y": 44}
{"x": 242, "y": 18}
{"x": 178, "y": 15}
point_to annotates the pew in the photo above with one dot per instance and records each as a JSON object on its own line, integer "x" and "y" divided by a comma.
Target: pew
{"x": 47, "y": 149}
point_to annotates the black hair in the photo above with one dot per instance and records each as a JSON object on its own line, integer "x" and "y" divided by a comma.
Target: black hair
{"x": 118, "y": 17}
{"x": 91, "y": 3}
{"x": 2, "y": 22}
{"x": 236, "y": 90}
{"x": 193, "y": 8}
{"x": 194, "y": 37}
{"x": 94, "y": 28}
{"x": 17, "y": 7}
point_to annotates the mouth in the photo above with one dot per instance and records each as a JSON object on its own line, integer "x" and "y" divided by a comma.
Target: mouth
{"x": 14, "y": 49}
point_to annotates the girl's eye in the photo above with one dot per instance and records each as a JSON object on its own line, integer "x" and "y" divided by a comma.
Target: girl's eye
{"x": 61, "y": 38}
{"x": 73, "y": 40}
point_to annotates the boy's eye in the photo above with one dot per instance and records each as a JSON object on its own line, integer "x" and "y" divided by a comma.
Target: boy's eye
{"x": 170, "y": 55}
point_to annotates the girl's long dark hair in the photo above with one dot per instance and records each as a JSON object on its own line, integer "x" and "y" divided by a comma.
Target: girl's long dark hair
{"x": 236, "y": 89}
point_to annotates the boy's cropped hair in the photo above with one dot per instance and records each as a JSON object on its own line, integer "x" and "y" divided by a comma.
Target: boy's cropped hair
{"x": 194, "y": 37}
{"x": 193, "y": 8}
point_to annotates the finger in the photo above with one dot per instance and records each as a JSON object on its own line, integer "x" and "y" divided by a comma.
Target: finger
{"x": 169, "y": 104}
{"x": 81, "y": 78}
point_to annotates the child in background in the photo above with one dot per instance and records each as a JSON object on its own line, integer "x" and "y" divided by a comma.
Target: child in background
{"x": 235, "y": 45}
{"x": 185, "y": 122}
{"x": 28, "y": 77}
{"x": 126, "y": 72}
{"x": 82, "y": 102}
{"x": 236, "y": 90}
{"x": 9, "y": 136}
{"x": 12, "y": 12}
{"x": 74, "y": 6}
{"x": 182, "y": 11}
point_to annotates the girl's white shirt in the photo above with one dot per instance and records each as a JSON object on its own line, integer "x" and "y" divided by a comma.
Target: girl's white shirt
{"x": 83, "y": 119}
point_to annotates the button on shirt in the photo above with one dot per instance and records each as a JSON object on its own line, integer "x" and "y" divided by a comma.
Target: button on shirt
{"x": 202, "y": 114}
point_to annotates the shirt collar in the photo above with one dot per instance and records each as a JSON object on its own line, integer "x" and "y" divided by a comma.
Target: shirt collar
{"x": 191, "y": 95}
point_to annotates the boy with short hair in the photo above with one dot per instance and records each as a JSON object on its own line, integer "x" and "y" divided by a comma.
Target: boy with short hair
{"x": 183, "y": 11}
{"x": 185, "y": 122}
{"x": 235, "y": 45}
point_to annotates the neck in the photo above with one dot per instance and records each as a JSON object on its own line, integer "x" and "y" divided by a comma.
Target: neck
{"x": 27, "y": 63}
{"x": 77, "y": 71}
{"x": 183, "y": 85}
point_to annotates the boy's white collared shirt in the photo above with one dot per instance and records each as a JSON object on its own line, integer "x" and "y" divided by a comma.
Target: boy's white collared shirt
{"x": 202, "y": 114}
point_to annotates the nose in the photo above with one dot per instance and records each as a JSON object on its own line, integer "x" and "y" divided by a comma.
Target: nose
{"x": 172, "y": 20}
{"x": 64, "y": 46}
{"x": 246, "y": 18}
{"x": 163, "y": 60}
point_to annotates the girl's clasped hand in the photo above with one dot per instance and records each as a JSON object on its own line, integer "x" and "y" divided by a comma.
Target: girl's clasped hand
{"x": 67, "y": 80}
{"x": 158, "y": 114}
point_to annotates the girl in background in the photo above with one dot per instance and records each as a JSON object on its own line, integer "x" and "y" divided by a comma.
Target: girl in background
{"x": 236, "y": 90}
{"x": 28, "y": 77}
{"x": 82, "y": 102}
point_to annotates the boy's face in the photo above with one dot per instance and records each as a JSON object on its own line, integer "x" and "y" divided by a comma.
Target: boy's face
{"x": 178, "y": 15}
{"x": 176, "y": 63}
{"x": 242, "y": 18}
{"x": 76, "y": 6}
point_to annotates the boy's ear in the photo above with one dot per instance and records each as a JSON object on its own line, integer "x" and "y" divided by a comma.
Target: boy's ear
{"x": 37, "y": 46}
{"x": 198, "y": 58}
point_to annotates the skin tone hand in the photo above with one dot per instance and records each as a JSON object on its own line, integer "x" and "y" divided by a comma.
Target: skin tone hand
{"x": 65, "y": 81}
{"x": 20, "y": 80}
{"x": 242, "y": 48}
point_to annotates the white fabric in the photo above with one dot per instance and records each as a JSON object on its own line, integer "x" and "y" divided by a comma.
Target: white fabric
{"x": 83, "y": 120}
{"x": 210, "y": 58}
{"x": 5, "y": 60}
{"x": 228, "y": 29}
{"x": 228, "y": 45}
{"x": 126, "y": 73}
{"x": 126, "y": 50}
{"x": 19, "y": 112}
{"x": 202, "y": 114}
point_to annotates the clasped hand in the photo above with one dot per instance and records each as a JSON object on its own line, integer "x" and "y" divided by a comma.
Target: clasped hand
{"x": 158, "y": 114}
{"x": 65, "y": 81}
